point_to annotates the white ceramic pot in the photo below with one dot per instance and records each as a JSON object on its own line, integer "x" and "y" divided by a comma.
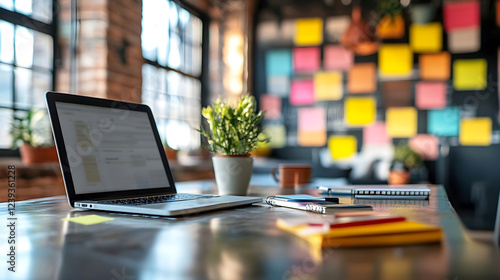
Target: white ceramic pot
{"x": 232, "y": 174}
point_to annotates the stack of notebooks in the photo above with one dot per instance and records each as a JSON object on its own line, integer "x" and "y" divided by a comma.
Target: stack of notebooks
{"x": 360, "y": 229}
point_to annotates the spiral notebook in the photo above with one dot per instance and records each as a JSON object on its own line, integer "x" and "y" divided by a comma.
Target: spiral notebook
{"x": 381, "y": 191}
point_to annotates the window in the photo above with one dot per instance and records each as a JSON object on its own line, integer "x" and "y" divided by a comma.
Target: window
{"x": 171, "y": 74}
{"x": 27, "y": 32}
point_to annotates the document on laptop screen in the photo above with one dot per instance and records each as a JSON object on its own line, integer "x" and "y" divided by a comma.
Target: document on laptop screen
{"x": 110, "y": 149}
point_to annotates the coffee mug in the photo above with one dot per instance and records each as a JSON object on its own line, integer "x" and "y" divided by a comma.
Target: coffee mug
{"x": 291, "y": 175}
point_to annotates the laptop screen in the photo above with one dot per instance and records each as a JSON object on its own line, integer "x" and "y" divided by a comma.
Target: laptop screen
{"x": 110, "y": 149}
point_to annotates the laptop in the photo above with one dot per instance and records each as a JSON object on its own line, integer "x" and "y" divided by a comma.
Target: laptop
{"x": 112, "y": 159}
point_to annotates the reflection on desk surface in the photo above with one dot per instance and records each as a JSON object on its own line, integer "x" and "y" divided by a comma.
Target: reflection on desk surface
{"x": 240, "y": 243}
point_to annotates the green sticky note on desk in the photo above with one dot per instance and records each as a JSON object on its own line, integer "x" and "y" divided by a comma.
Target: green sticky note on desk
{"x": 88, "y": 220}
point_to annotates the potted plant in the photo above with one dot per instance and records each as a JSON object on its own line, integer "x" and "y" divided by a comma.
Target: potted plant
{"x": 232, "y": 134}
{"x": 30, "y": 132}
{"x": 391, "y": 24}
{"x": 406, "y": 163}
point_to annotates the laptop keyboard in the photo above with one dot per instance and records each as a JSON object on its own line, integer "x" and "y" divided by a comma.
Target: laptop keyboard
{"x": 155, "y": 199}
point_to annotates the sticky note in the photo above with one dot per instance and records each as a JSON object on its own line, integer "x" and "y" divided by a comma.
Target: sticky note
{"x": 464, "y": 40}
{"x": 376, "y": 133}
{"x": 306, "y": 59}
{"x": 88, "y": 220}
{"x": 311, "y": 127}
{"x": 328, "y": 86}
{"x": 425, "y": 145}
{"x": 395, "y": 59}
{"x": 271, "y": 105}
{"x": 335, "y": 27}
{"x": 435, "y": 66}
{"x": 461, "y": 14}
{"x": 362, "y": 78}
{"x": 308, "y": 31}
{"x": 444, "y": 122}
{"x": 287, "y": 31}
{"x": 337, "y": 58}
{"x": 426, "y": 37}
{"x": 360, "y": 111}
{"x": 396, "y": 93}
{"x": 401, "y": 122}
{"x": 277, "y": 135}
{"x": 469, "y": 74}
{"x": 278, "y": 85}
{"x": 430, "y": 95}
{"x": 302, "y": 92}
{"x": 475, "y": 132}
{"x": 268, "y": 31}
{"x": 342, "y": 147}
{"x": 279, "y": 63}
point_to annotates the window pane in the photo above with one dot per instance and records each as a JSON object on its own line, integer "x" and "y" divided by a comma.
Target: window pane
{"x": 196, "y": 62}
{"x": 173, "y": 15}
{"x": 7, "y": 4}
{"x": 6, "y": 85}
{"x": 24, "y": 7}
{"x": 24, "y": 47}
{"x": 178, "y": 134}
{"x": 24, "y": 87}
{"x": 196, "y": 27}
{"x": 42, "y": 82}
{"x": 5, "y": 139}
{"x": 6, "y": 42}
{"x": 162, "y": 81}
{"x": 149, "y": 77}
{"x": 162, "y": 106}
{"x": 183, "y": 17}
{"x": 174, "y": 58}
{"x": 188, "y": 58}
{"x": 43, "y": 50}
{"x": 42, "y": 10}
{"x": 174, "y": 83}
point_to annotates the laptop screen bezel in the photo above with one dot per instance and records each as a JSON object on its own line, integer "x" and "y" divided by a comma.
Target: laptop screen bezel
{"x": 52, "y": 98}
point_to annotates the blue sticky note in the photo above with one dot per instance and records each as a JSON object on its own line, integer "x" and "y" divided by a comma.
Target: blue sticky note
{"x": 444, "y": 122}
{"x": 279, "y": 63}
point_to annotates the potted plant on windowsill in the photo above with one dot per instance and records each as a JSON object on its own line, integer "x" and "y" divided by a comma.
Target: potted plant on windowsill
{"x": 233, "y": 133}
{"x": 30, "y": 132}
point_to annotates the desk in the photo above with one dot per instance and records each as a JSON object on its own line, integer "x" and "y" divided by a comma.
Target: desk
{"x": 240, "y": 243}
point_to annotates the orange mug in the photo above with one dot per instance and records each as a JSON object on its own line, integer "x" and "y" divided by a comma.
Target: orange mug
{"x": 292, "y": 175}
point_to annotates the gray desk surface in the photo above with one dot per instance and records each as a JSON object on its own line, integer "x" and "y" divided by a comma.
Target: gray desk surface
{"x": 241, "y": 243}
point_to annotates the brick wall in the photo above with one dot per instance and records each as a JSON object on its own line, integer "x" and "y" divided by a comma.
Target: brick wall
{"x": 109, "y": 55}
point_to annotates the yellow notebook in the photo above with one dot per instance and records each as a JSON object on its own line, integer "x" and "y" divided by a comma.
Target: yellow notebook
{"x": 387, "y": 234}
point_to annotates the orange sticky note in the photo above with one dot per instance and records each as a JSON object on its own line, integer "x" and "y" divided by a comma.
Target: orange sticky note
{"x": 401, "y": 121}
{"x": 435, "y": 66}
{"x": 395, "y": 59}
{"x": 328, "y": 86}
{"x": 308, "y": 31}
{"x": 360, "y": 111}
{"x": 342, "y": 147}
{"x": 362, "y": 78}
{"x": 475, "y": 132}
{"x": 426, "y": 37}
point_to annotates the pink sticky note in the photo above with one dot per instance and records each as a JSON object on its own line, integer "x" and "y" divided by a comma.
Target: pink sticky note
{"x": 302, "y": 92}
{"x": 430, "y": 95}
{"x": 306, "y": 59}
{"x": 376, "y": 134}
{"x": 425, "y": 145}
{"x": 312, "y": 119}
{"x": 461, "y": 14}
{"x": 338, "y": 58}
{"x": 271, "y": 105}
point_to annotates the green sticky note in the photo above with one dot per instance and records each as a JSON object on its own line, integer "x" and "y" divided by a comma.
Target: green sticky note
{"x": 88, "y": 220}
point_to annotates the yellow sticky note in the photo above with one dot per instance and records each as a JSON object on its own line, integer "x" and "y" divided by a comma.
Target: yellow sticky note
{"x": 88, "y": 220}
{"x": 308, "y": 31}
{"x": 277, "y": 133}
{"x": 426, "y": 37}
{"x": 469, "y": 74}
{"x": 395, "y": 59}
{"x": 475, "y": 132}
{"x": 342, "y": 147}
{"x": 401, "y": 121}
{"x": 328, "y": 86}
{"x": 360, "y": 111}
